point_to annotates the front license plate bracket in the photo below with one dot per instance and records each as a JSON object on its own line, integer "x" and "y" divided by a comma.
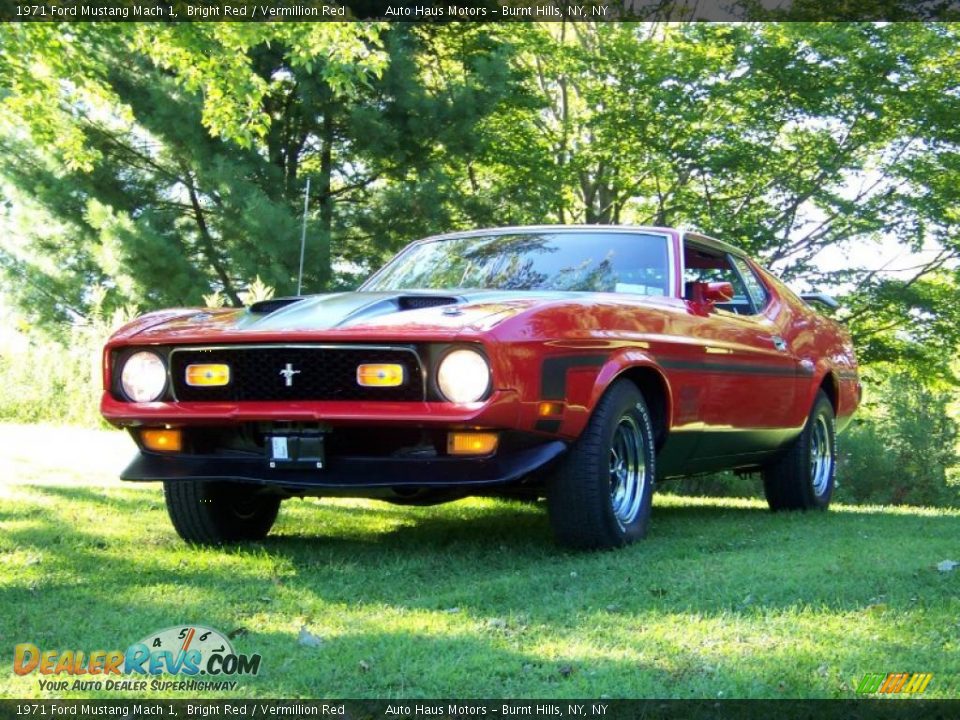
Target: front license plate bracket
{"x": 296, "y": 450}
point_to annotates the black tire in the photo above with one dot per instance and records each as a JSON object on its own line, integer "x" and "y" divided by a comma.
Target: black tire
{"x": 803, "y": 477}
{"x": 583, "y": 509}
{"x": 214, "y": 513}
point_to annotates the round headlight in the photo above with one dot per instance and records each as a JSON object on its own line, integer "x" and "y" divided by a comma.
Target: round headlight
{"x": 463, "y": 376}
{"x": 143, "y": 377}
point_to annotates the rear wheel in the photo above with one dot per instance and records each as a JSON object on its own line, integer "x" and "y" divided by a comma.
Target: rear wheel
{"x": 600, "y": 495}
{"x": 214, "y": 513}
{"x": 803, "y": 477}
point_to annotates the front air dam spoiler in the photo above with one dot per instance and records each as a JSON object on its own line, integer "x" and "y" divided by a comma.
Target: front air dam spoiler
{"x": 345, "y": 473}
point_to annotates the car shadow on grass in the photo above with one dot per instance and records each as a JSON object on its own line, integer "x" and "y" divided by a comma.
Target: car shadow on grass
{"x": 698, "y": 557}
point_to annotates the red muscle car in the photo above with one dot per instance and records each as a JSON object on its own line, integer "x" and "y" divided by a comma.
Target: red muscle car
{"x": 578, "y": 363}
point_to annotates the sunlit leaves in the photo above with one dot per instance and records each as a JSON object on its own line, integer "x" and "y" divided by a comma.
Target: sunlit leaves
{"x": 214, "y": 59}
{"x": 784, "y": 139}
{"x": 794, "y": 141}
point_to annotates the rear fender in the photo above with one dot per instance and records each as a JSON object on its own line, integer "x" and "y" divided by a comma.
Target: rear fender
{"x": 842, "y": 386}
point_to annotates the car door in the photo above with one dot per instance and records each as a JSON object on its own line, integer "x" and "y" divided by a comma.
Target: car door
{"x": 746, "y": 366}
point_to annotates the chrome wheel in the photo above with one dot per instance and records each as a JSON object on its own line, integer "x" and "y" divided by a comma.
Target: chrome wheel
{"x": 628, "y": 470}
{"x": 801, "y": 476}
{"x": 599, "y": 496}
{"x": 821, "y": 456}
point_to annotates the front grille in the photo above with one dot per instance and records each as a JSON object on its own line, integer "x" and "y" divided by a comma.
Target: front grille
{"x": 319, "y": 373}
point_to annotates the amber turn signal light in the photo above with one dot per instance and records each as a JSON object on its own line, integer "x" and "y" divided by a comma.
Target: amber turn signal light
{"x": 472, "y": 443}
{"x": 550, "y": 409}
{"x": 380, "y": 375}
{"x": 208, "y": 375}
{"x": 162, "y": 440}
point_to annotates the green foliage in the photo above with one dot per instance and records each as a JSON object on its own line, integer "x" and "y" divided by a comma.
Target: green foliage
{"x": 256, "y": 292}
{"x": 903, "y": 448}
{"x": 214, "y": 300}
{"x": 785, "y": 139}
{"x": 723, "y": 484}
{"x": 56, "y": 380}
{"x": 909, "y": 323}
{"x": 56, "y": 377}
{"x": 168, "y": 163}
{"x": 190, "y": 148}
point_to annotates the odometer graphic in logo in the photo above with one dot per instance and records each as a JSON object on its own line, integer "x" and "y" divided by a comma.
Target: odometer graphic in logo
{"x": 189, "y": 650}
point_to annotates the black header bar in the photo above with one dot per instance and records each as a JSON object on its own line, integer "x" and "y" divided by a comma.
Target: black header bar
{"x": 473, "y": 10}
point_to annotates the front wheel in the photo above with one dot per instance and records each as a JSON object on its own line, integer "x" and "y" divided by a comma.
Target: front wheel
{"x": 214, "y": 513}
{"x": 600, "y": 495}
{"x": 803, "y": 477}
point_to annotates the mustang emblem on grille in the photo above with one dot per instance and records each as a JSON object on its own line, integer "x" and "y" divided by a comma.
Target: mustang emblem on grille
{"x": 288, "y": 372}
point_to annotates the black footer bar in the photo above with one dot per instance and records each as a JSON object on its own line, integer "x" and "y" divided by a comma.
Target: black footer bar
{"x": 582, "y": 709}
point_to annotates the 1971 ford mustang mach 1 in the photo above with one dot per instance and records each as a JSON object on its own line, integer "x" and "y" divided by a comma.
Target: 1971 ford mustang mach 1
{"x": 578, "y": 363}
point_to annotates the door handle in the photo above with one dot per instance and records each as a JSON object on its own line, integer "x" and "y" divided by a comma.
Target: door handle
{"x": 779, "y": 343}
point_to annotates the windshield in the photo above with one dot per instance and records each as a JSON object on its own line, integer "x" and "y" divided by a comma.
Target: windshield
{"x": 577, "y": 261}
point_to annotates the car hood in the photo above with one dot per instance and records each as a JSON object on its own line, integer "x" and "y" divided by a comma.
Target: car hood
{"x": 364, "y": 313}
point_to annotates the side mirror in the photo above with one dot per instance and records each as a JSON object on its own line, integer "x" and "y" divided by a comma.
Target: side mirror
{"x": 718, "y": 292}
{"x": 820, "y": 299}
{"x": 709, "y": 292}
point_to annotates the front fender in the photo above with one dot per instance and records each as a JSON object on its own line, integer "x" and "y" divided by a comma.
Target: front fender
{"x": 586, "y": 385}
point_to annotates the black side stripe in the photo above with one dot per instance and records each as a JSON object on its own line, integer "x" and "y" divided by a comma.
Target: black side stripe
{"x": 738, "y": 368}
{"x": 549, "y": 426}
{"x": 553, "y": 374}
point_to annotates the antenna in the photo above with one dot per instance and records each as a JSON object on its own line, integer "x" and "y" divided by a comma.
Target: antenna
{"x": 303, "y": 235}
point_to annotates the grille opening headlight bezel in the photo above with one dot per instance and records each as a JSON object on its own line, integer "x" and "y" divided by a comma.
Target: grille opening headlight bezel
{"x": 143, "y": 377}
{"x": 464, "y": 376}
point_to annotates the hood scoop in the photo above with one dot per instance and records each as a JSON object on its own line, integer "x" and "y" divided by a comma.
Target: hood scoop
{"x": 403, "y": 302}
{"x": 396, "y": 303}
{"x": 338, "y": 310}
{"x": 419, "y": 302}
{"x": 265, "y": 307}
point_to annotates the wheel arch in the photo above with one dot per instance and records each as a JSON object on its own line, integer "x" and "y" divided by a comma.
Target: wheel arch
{"x": 831, "y": 388}
{"x": 653, "y": 385}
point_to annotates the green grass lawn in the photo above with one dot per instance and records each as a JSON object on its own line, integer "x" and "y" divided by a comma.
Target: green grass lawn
{"x": 473, "y": 600}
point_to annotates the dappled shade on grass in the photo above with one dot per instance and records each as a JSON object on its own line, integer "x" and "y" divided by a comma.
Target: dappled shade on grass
{"x": 472, "y": 599}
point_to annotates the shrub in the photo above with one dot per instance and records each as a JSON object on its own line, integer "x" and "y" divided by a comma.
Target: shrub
{"x": 902, "y": 449}
{"x": 56, "y": 379}
{"x": 45, "y": 379}
{"x": 722, "y": 484}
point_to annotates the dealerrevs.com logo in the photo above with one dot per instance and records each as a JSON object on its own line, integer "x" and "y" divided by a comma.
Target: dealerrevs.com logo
{"x": 188, "y": 652}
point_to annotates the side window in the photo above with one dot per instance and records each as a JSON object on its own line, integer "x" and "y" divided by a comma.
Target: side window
{"x": 702, "y": 265}
{"x": 755, "y": 288}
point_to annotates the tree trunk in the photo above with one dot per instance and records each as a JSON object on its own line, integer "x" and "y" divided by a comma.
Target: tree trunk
{"x": 209, "y": 247}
